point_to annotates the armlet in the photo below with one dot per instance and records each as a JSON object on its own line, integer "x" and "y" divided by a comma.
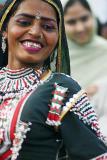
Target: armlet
{"x": 57, "y": 110}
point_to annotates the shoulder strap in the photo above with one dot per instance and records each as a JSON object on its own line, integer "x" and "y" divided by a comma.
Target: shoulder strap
{"x": 71, "y": 102}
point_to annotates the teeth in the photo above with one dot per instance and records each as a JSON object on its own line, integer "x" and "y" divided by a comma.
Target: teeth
{"x": 31, "y": 44}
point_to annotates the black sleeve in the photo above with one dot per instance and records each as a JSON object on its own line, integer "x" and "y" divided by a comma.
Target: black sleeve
{"x": 81, "y": 142}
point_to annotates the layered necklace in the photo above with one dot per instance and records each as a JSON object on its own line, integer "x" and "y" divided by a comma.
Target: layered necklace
{"x": 18, "y": 82}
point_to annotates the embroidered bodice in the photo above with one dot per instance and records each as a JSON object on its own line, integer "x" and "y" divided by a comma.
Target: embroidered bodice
{"x": 27, "y": 105}
{"x": 14, "y": 85}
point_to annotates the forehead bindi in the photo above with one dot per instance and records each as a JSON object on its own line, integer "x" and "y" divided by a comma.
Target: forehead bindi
{"x": 37, "y": 8}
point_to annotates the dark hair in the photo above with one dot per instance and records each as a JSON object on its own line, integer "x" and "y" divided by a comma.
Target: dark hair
{"x": 70, "y": 3}
{"x": 12, "y": 12}
{"x": 4, "y": 56}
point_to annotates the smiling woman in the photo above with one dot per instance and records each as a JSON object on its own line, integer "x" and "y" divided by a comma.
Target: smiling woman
{"x": 35, "y": 37}
{"x": 41, "y": 107}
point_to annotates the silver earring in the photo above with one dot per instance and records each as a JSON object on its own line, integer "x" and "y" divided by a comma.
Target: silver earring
{"x": 3, "y": 44}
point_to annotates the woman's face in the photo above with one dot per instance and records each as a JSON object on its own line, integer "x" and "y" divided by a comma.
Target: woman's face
{"x": 32, "y": 34}
{"x": 79, "y": 23}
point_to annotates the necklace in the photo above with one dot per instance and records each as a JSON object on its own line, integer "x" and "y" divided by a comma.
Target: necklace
{"x": 18, "y": 82}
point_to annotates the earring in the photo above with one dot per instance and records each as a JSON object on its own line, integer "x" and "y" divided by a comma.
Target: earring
{"x": 3, "y": 44}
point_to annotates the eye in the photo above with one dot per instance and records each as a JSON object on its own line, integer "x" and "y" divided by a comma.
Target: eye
{"x": 24, "y": 23}
{"x": 84, "y": 18}
{"x": 71, "y": 22}
{"x": 49, "y": 27}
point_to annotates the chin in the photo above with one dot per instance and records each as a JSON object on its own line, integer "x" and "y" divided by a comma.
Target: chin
{"x": 82, "y": 42}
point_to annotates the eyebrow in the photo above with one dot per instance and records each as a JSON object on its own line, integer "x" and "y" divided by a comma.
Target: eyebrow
{"x": 33, "y": 17}
{"x": 76, "y": 19}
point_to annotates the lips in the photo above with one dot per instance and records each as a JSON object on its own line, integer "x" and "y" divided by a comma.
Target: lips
{"x": 31, "y": 46}
{"x": 81, "y": 34}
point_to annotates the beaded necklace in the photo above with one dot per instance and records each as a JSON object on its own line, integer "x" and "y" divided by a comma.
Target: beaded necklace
{"x": 18, "y": 82}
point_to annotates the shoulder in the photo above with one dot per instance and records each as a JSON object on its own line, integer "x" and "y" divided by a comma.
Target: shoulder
{"x": 101, "y": 41}
{"x": 66, "y": 81}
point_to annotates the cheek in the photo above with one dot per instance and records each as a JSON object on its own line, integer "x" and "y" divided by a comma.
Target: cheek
{"x": 52, "y": 40}
{"x": 14, "y": 33}
{"x": 90, "y": 26}
{"x": 70, "y": 30}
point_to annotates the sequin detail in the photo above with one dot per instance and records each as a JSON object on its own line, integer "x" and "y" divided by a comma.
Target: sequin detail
{"x": 53, "y": 118}
{"x": 7, "y": 110}
{"x": 20, "y": 134}
{"x": 79, "y": 104}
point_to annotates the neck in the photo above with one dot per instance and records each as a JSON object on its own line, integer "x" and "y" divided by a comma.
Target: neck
{"x": 17, "y": 66}
{"x": 45, "y": 75}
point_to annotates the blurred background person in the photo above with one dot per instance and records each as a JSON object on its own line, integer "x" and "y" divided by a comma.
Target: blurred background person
{"x": 103, "y": 31}
{"x": 2, "y": 3}
{"x": 99, "y": 8}
{"x": 88, "y": 51}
